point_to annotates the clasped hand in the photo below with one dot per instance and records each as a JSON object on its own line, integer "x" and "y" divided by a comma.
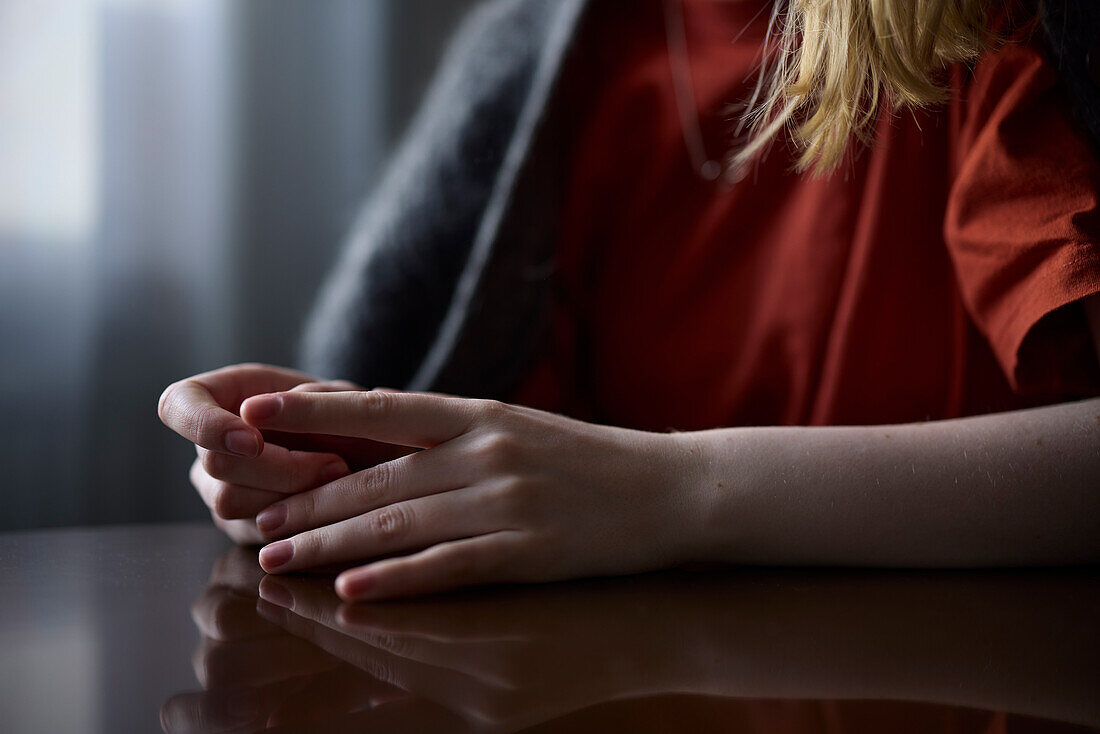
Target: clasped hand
{"x": 432, "y": 491}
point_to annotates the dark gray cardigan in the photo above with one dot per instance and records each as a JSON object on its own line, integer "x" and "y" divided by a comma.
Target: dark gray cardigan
{"x": 444, "y": 282}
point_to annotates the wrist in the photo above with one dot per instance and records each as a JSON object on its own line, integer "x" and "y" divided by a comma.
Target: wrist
{"x": 719, "y": 472}
{"x": 694, "y": 487}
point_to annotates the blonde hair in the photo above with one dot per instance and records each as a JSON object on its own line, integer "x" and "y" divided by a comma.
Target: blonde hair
{"x": 831, "y": 66}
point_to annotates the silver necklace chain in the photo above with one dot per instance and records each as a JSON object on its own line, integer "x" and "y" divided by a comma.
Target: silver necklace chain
{"x": 679, "y": 65}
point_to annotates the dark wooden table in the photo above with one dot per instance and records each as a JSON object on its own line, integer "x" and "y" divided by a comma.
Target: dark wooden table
{"x": 138, "y": 629}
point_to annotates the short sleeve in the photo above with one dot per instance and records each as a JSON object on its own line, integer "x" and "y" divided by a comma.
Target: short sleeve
{"x": 1022, "y": 224}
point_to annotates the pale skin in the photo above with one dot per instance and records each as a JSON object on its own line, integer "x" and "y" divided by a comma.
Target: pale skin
{"x": 487, "y": 492}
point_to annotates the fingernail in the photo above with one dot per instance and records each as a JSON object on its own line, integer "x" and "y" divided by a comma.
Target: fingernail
{"x": 264, "y": 406}
{"x": 274, "y": 592}
{"x": 272, "y": 518}
{"x": 332, "y": 472}
{"x": 242, "y": 443}
{"x": 276, "y": 554}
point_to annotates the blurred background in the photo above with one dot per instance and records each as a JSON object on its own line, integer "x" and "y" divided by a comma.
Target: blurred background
{"x": 175, "y": 179}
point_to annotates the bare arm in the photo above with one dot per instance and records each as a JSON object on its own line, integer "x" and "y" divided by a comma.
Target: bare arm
{"x": 506, "y": 493}
{"x": 1004, "y": 489}
{"x": 1015, "y": 488}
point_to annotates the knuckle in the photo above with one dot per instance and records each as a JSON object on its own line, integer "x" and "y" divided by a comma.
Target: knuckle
{"x": 205, "y": 485}
{"x": 495, "y": 451}
{"x": 216, "y": 465}
{"x": 374, "y": 402}
{"x": 223, "y": 501}
{"x": 197, "y": 474}
{"x": 302, "y": 509}
{"x": 313, "y": 546}
{"x": 389, "y": 523}
{"x": 227, "y": 502}
{"x": 490, "y": 409}
{"x": 375, "y": 483}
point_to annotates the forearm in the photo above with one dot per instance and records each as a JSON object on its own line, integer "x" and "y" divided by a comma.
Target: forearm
{"x": 1016, "y": 488}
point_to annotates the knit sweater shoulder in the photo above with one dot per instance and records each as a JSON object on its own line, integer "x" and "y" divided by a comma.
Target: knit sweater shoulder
{"x": 441, "y": 283}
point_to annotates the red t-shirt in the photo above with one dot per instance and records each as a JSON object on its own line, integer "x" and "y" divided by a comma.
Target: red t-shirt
{"x": 925, "y": 279}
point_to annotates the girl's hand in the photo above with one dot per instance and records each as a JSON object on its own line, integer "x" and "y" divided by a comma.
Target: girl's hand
{"x": 240, "y": 470}
{"x": 500, "y": 494}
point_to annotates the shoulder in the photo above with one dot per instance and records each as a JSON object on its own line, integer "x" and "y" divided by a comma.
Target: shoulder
{"x": 1034, "y": 75}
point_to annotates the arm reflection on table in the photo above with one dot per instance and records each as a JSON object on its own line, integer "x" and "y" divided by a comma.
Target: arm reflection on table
{"x": 771, "y": 650}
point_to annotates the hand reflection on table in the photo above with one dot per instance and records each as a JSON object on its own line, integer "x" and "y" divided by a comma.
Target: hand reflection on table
{"x": 793, "y": 651}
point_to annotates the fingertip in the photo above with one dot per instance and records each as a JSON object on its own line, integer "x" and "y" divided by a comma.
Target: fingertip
{"x": 341, "y": 587}
{"x": 260, "y": 408}
{"x": 357, "y": 585}
{"x": 276, "y": 555}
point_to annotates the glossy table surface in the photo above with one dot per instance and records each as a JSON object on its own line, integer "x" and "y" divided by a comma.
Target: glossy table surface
{"x": 149, "y": 628}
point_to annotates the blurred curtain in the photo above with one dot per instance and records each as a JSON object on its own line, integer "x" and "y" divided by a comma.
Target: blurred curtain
{"x": 175, "y": 176}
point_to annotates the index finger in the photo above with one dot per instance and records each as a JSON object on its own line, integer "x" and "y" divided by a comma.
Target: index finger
{"x": 420, "y": 420}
